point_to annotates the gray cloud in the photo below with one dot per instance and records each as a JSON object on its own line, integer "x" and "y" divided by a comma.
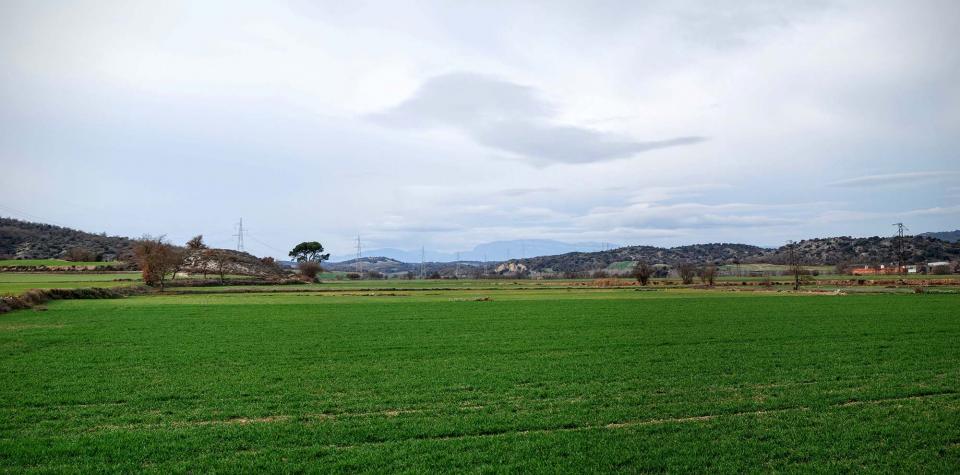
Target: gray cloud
{"x": 909, "y": 178}
{"x": 512, "y": 118}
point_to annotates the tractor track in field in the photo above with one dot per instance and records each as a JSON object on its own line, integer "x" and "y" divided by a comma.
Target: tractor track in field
{"x": 502, "y": 433}
{"x": 649, "y": 422}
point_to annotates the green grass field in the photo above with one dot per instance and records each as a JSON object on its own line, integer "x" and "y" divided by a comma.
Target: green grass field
{"x": 53, "y": 262}
{"x": 13, "y": 283}
{"x": 545, "y": 380}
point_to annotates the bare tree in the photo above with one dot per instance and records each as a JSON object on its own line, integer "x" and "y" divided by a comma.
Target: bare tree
{"x": 221, "y": 261}
{"x": 643, "y": 271}
{"x": 309, "y": 269}
{"x": 177, "y": 258}
{"x": 794, "y": 264}
{"x": 708, "y": 274}
{"x": 687, "y": 272}
{"x": 156, "y": 258}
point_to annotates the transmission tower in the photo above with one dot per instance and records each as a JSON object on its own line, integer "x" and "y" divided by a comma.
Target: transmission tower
{"x": 422, "y": 255}
{"x": 456, "y": 274}
{"x": 239, "y": 235}
{"x": 900, "y": 229}
{"x": 359, "y": 262}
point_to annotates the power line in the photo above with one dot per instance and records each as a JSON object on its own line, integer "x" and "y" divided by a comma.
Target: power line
{"x": 31, "y": 216}
{"x": 261, "y": 242}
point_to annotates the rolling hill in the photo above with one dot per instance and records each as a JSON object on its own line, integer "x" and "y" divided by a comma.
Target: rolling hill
{"x": 26, "y": 240}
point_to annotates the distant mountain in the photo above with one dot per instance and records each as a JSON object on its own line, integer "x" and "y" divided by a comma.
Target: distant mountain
{"x": 490, "y": 252}
{"x": 26, "y": 240}
{"x": 394, "y": 267}
{"x": 949, "y": 236}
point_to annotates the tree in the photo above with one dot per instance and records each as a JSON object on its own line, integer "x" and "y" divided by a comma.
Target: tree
{"x": 156, "y": 258}
{"x": 708, "y": 274}
{"x": 309, "y": 251}
{"x": 643, "y": 271}
{"x": 272, "y": 264}
{"x": 80, "y": 254}
{"x": 221, "y": 261}
{"x": 687, "y": 272}
{"x": 794, "y": 264}
{"x": 196, "y": 243}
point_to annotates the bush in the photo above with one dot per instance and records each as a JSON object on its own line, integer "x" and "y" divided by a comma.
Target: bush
{"x": 309, "y": 269}
{"x": 687, "y": 272}
{"x": 32, "y": 298}
{"x": 79, "y": 254}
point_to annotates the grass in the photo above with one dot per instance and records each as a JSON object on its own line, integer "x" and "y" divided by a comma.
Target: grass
{"x": 544, "y": 380}
{"x": 13, "y": 283}
{"x": 53, "y": 262}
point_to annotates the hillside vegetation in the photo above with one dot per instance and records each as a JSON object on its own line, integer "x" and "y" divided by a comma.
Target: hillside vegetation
{"x": 826, "y": 251}
{"x": 26, "y": 240}
{"x": 950, "y": 236}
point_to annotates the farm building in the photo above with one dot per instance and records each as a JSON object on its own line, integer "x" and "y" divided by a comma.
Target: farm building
{"x": 884, "y": 270}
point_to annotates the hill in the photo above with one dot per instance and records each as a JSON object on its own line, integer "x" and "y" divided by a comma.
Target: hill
{"x": 721, "y": 253}
{"x": 949, "y": 236}
{"x": 26, "y": 240}
{"x": 825, "y": 251}
{"x": 871, "y": 250}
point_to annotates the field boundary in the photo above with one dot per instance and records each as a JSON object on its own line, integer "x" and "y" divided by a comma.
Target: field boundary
{"x": 32, "y": 298}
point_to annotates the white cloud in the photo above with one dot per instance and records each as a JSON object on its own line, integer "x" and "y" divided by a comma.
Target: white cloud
{"x": 909, "y": 178}
{"x": 262, "y": 111}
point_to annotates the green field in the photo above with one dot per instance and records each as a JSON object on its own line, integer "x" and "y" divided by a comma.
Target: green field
{"x": 546, "y": 380}
{"x": 13, "y": 283}
{"x": 53, "y": 262}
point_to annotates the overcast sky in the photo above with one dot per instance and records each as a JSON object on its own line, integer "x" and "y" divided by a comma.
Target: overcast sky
{"x": 447, "y": 124}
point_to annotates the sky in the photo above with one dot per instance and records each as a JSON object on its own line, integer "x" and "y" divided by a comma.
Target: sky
{"x": 450, "y": 124}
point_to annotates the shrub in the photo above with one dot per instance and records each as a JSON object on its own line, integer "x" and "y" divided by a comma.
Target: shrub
{"x": 309, "y": 269}
{"x": 79, "y": 254}
{"x": 687, "y": 272}
{"x": 643, "y": 271}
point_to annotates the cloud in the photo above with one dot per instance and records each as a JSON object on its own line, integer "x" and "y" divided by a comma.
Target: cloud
{"x": 910, "y": 178}
{"x": 512, "y": 118}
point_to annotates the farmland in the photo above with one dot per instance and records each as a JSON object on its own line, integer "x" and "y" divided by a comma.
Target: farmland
{"x": 54, "y": 263}
{"x": 483, "y": 378}
{"x": 13, "y": 283}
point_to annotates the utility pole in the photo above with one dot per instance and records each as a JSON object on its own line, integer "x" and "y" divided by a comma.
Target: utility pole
{"x": 422, "y": 259}
{"x": 239, "y": 235}
{"x": 456, "y": 274}
{"x": 900, "y": 229}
